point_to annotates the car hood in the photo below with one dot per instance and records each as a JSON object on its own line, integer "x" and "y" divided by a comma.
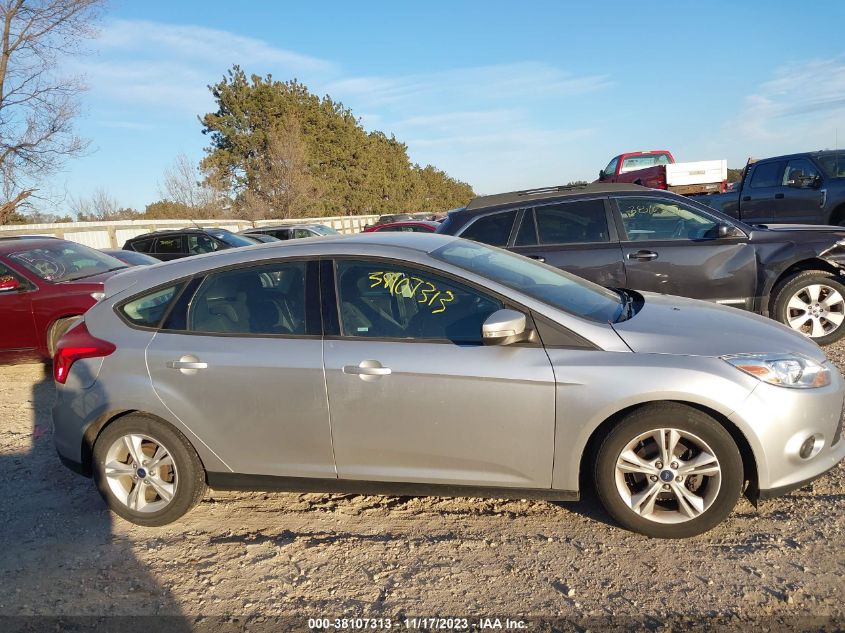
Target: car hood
{"x": 675, "y": 325}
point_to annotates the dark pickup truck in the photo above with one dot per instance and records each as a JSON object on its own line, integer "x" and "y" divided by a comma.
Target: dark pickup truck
{"x": 806, "y": 188}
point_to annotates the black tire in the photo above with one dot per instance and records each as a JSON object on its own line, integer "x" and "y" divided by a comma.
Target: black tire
{"x": 56, "y": 331}
{"x": 686, "y": 419}
{"x": 793, "y": 284}
{"x": 190, "y": 484}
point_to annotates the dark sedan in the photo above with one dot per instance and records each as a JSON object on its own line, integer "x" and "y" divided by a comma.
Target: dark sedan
{"x": 626, "y": 236}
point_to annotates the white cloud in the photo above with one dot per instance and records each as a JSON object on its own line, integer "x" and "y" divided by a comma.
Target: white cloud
{"x": 800, "y": 107}
{"x": 170, "y": 66}
{"x": 524, "y": 81}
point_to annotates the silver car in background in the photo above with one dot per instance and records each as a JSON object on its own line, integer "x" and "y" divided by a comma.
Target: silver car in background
{"x": 426, "y": 364}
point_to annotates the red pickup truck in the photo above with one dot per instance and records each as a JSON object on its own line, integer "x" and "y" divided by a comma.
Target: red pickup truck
{"x": 657, "y": 169}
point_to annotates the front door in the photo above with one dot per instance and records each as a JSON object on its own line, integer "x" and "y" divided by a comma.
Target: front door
{"x": 243, "y": 368}
{"x": 415, "y": 397}
{"x": 673, "y": 248}
{"x": 574, "y": 236}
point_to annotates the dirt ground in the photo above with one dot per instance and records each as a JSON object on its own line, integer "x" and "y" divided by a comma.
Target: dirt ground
{"x": 251, "y": 558}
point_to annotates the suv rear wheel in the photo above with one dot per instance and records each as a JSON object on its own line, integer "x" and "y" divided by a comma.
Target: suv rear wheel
{"x": 147, "y": 471}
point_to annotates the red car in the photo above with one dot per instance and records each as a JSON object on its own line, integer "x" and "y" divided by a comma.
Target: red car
{"x": 45, "y": 284}
{"x": 410, "y": 226}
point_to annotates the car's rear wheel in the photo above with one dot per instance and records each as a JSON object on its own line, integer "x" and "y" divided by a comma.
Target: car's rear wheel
{"x": 147, "y": 471}
{"x": 813, "y": 303}
{"x": 668, "y": 471}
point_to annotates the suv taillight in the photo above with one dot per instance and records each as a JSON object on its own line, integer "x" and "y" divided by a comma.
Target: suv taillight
{"x": 75, "y": 344}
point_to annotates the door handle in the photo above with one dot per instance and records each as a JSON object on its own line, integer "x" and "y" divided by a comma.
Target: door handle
{"x": 643, "y": 255}
{"x": 539, "y": 258}
{"x": 188, "y": 364}
{"x": 746, "y": 198}
{"x": 367, "y": 369}
{"x": 778, "y": 196}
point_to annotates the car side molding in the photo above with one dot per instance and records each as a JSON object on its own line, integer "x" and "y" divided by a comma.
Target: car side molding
{"x": 236, "y": 481}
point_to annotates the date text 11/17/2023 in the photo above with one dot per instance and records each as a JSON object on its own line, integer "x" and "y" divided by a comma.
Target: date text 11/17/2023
{"x": 418, "y": 623}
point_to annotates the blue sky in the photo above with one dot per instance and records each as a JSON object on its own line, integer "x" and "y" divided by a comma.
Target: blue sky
{"x": 504, "y": 95}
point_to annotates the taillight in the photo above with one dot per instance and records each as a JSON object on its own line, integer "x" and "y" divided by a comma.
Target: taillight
{"x": 75, "y": 344}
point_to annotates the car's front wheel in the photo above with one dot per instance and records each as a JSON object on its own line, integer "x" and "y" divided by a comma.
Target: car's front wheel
{"x": 813, "y": 303}
{"x": 668, "y": 471}
{"x": 147, "y": 471}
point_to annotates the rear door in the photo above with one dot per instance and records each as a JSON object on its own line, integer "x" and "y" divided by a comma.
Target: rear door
{"x": 760, "y": 197}
{"x": 578, "y": 236}
{"x": 239, "y": 361}
{"x": 673, "y": 248}
{"x": 17, "y": 327}
{"x": 802, "y": 198}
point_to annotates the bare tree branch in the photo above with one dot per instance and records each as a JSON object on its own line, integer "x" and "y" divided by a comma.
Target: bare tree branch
{"x": 37, "y": 104}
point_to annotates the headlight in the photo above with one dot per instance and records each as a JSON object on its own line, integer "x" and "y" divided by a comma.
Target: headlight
{"x": 783, "y": 370}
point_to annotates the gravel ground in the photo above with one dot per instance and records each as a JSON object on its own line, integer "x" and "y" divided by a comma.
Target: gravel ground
{"x": 252, "y": 557}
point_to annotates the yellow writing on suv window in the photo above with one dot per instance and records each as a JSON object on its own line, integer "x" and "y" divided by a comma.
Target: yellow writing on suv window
{"x": 425, "y": 292}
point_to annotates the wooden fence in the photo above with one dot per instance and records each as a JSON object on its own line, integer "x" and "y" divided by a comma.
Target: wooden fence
{"x": 114, "y": 234}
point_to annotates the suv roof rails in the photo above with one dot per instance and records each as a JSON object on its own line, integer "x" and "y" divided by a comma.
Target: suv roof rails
{"x": 553, "y": 189}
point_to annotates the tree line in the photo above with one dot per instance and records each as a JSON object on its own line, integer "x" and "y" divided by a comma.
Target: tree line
{"x": 276, "y": 150}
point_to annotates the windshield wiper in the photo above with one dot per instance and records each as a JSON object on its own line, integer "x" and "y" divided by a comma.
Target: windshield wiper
{"x": 99, "y": 272}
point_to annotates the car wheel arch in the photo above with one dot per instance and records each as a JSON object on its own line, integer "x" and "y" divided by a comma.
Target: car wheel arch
{"x": 800, "y": 266}
{"x": 96, "y": 428}
{"x": 590, "y": 450}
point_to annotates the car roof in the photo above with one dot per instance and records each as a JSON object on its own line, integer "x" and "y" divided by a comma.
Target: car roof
{"x": 24, "y": 242}
{"x": 411, "y": 222}
{"x": 548, "y": 193}
{"x": 165, "y": 232}
{"x": 283, "y": 226}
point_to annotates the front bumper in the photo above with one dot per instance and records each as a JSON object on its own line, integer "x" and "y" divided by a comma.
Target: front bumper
{"x": 776, "y": 421}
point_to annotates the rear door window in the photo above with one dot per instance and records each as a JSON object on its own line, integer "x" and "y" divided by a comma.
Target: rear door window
{"x": 572, "y": 222}
{"x": 144, "y": 246}
{"x": 267, "y": 299}
{"x": 171, "y": 245}
{"x": 494, "y": 230}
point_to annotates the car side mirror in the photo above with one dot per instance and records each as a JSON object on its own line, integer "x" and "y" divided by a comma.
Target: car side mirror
{"x": 9, "y": 284}
{"x": 505, "y": 327}
{"x": 601, "y": 174}
{"x": 726, "y": 230}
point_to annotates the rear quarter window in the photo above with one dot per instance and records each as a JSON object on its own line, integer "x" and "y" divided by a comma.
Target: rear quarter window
{"x": 149, "y": 309}
{"x": 494, "y": 229}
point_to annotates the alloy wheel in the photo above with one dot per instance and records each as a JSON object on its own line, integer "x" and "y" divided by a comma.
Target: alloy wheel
{"x": 668, "y": 475}
{"x": 815, "y": 310}
{"x": 141, "y": 473}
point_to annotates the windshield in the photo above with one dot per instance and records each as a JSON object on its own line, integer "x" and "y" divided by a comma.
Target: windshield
{"x": 65, "y": 261}
{"x": 833, "y": 164}
{"x": 324, "y": 230}
{"x": 231, "y": 239}
{"x": 545, "y": 283}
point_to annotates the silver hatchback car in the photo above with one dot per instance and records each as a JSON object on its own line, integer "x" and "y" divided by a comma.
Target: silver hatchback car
{"x": 426, "y": 364}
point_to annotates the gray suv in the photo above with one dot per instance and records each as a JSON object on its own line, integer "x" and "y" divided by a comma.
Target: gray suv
{"x": 426, "y": 364}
